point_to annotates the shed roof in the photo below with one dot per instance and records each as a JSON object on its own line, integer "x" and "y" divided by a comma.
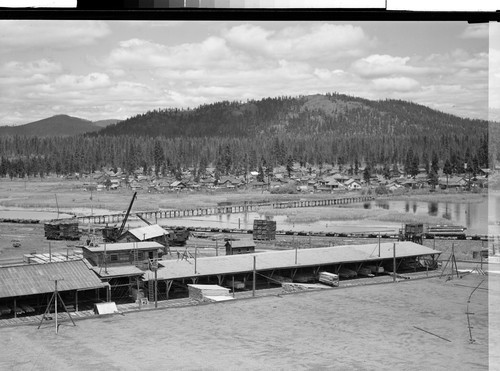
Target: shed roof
{"x": 32, "y": 279}
{"x": 123, "y": 246}
{"x": 242, "y": 243}
{"x": 148, "y": 232}
{"x": 118, "y": 271}
{"x": 286, "y": 259}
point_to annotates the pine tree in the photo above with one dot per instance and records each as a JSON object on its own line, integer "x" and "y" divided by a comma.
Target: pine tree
{"x": 289, "y": 165}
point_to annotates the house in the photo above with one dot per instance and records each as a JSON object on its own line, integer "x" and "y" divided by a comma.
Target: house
{"x": 148, "y": 233}
{"x": 352, "y": 184}
{"x": 178, "y": 184}
{"x": 330, "y": 183}
{"x": 453, "y": 182}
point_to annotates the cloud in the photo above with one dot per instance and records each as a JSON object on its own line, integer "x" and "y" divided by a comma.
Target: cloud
{"x": 301, "y": 42}
{"x": 475, "y": 31}
{"x": 377, "y": 65}
{"x": 395, "y": 84}
{"x": 24, "y": 34}
{"x": 143, "y": 54}
{"x": 41, "y": 66}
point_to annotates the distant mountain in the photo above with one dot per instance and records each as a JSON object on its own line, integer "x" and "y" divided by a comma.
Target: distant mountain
{"x": 104, "y": 123}
{"x": 59, "y": 125}
{"x": 335, "y": 114}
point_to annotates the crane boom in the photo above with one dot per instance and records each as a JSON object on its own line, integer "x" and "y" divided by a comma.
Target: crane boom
{"x": 124, "y": 222}
{"x": 143, "y": 219}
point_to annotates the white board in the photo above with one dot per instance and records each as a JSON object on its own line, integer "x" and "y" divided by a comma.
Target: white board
{"x": 105, "y": 308}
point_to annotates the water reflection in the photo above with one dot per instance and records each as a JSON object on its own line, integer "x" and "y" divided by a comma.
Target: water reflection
{"x": 414, "y": 207}
{"x": 407, "y": 206}
{"x": 367, "y": 205}
{"x": 433, "y": 208}
{"x": 383, "y": 205}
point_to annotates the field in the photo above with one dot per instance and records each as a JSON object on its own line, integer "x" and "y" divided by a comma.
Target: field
{"x": 410, "y": 325}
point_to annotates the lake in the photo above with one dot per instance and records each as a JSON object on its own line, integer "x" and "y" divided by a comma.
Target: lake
{"x": 474, "y": 216}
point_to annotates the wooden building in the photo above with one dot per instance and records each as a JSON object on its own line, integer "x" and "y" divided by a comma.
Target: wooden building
{"x": 151, "y": 233}
{"x": 132, "y": 253}
{"x": 239, "y": 247}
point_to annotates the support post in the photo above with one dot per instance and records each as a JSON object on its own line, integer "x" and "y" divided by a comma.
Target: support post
{"x": 254, "y": 275}
{"x": 156, "y": 287}
{"x": 379, "y": 244}
{"x": 233, "y": 286}
{"x": 195, "y": 258}
{"x": 296, "y": 254}
{"x": 394, "y": 262}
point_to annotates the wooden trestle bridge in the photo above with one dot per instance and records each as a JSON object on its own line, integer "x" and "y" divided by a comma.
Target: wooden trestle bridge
{"x": 246, "y": 207}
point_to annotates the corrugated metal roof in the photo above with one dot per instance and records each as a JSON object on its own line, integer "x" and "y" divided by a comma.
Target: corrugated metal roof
{"x": 150, "y": 231}
{"x": 124, "y": 246}
{"x": 227, "y": 264}
{"x": 34, "y": 279}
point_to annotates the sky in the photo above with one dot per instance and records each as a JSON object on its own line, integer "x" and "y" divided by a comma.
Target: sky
{"x": 116, "y": 69}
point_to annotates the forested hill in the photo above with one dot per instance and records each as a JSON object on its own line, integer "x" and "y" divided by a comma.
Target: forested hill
{"x": 336, "y": 114}
{"x": 59, "y": 125}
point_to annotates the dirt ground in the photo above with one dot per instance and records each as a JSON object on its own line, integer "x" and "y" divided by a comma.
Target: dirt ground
{"x": 410, "y": 325}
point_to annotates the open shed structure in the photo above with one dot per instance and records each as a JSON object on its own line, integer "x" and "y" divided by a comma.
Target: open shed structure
{"x": 273, "y": 267}
{"x": 28, "y": 288}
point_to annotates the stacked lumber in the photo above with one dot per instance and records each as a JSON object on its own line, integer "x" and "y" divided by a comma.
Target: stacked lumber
{"x": 374, "y": 269}
{"x": 347, "y": 273}
{"x": 328, "y": 278}
{"x": 365, "y": 271}
{"x": 446, "y": 231}
{"x": 62, "y": 230}
{"x": 264, "y": 230}
{"x": 304, "y": 277}
{"x": 4, "y": 309}
{"x": 201, "y": 292}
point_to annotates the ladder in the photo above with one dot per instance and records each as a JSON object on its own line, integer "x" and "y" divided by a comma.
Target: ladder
{"x": 151, "y": 291}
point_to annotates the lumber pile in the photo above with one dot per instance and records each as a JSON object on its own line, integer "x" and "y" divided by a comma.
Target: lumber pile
{"x": 205, "y": 292}
{"x": 347, "y": 273}
{"x": 62, "y": 230}
{"x": 264, "y": 230}
{"x": 328, "y": 278}
{"x": 365, "y": 271}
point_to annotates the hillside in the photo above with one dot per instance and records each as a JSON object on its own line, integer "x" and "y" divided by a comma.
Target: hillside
{"x": 104, "y": 123}
{"x": 59, "y": 125}
{"x": 336, "y": 114}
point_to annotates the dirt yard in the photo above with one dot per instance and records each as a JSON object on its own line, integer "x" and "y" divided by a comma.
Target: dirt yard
{"x": 410, "y": 325}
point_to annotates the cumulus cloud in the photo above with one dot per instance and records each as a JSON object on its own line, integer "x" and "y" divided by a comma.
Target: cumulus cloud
{"x": 395, "y": 84}
{"x": 377, "y": 65}
{"x": 56, "y": 35}
{"x": 475, "y": 31}
{"x": 247, "y": 61}
{"x": 322, "y": 40}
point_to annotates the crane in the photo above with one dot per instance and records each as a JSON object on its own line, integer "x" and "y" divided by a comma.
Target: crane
{"x": 111, "y": 234}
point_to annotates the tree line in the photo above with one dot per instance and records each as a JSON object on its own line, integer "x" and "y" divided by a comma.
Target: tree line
{"x": 23, "y": 156}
